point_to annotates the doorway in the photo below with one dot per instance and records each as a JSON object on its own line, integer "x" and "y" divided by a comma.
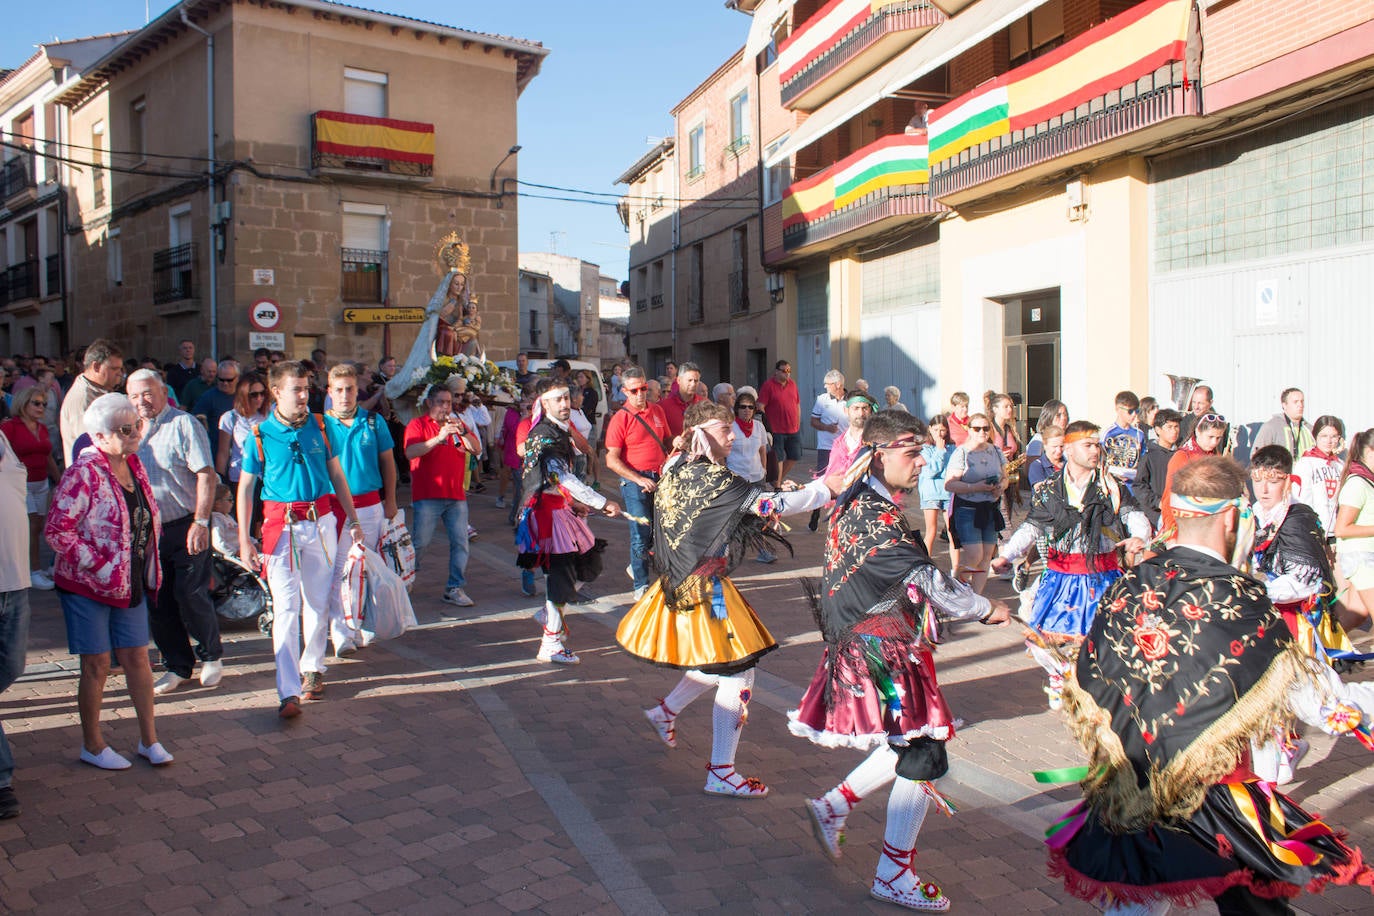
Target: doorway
{"x": 1031, "y": 366}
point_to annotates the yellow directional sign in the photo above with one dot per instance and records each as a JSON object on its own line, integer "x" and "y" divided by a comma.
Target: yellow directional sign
{"x": 383, "y": 316}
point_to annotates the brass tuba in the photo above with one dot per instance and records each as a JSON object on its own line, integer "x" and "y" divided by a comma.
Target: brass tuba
{"x": 1181, "y": 390}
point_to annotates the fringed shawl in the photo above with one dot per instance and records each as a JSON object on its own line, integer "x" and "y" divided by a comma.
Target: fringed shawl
{"x": 1186, "y": 662}
{"x": 704, "y": 527}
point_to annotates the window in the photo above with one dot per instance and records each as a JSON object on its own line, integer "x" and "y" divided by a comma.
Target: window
{"x": 365, "y": 92}
{"x": 642, "y": 303}
{"x": 739, "y": 270}
{"x": 656, "y": 288}
{"x": 179, "y": 230}
{"x": 98, "y": 164}
{"x": 696, "y": 152}
{"x": 138, "y": 138}
{"x": 534, "y": 285}
{"x": 776, "y": 178}
{"x": 363, "y": 276}
{"x": 739, "y": 121}
{"x": 115, "y": 251}
{"x": 534, "y": 327}
{"x": 696, "y": 284}
{"x": 1037, "y": 33}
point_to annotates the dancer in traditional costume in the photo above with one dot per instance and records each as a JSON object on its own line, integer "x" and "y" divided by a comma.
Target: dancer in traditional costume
{"x": 1289, "y": 556}
{"x": 1186, "y": 663}
{"x": 706, "y": 520}
{"x": 1076, "y": 520}
{"x": 552, "y": 534}
{"x": 879, "y": 606}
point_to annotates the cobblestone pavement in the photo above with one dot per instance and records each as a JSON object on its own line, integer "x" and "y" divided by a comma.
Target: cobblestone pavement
{"x": 449, "y": 771}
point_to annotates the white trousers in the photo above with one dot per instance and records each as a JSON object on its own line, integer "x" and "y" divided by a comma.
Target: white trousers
{"x": 373, "y": 520}
{"x": 300, "y": 572}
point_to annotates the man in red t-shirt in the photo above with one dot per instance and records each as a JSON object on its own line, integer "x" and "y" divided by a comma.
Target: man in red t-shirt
{"x": 437, "y": 444}
{"x": 781, "y": 403}
{"x": 684, "y": 394}
{"x": 637, "y": 443}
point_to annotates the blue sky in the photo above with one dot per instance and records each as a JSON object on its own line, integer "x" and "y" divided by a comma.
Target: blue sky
{"x": 616, "y": 68}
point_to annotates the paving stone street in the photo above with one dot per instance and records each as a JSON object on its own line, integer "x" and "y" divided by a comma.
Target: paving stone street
{"x": 448, "y": 771}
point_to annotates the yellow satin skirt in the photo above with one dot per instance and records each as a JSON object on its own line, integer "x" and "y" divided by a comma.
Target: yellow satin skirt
{"x": 694, "y": 639}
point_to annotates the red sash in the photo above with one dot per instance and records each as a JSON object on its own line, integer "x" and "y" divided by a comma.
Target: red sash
{"x": 275, "y": 517}
{"x": 363, "y": 500}
{"x": 1077, "y": 563}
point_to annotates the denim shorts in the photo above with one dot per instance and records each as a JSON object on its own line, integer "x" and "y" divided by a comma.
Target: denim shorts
{"x": 938, "y": 504}
{"x": 94, "y": 628}
{"x": 976, "y": 523}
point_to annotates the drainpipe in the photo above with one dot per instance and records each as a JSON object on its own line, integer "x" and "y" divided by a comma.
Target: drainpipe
{"x": 672, "y": 261}
{"x": 212, "y": 253}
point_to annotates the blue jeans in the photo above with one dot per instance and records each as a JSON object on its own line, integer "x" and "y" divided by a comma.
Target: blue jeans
{"x": 639, "y": 503}
{"x": 454, "y": 512}
{"x": 14, "y": 640}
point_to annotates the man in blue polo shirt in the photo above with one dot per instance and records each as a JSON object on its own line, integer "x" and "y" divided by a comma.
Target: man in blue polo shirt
{"x": 363, "y": 444}
{"x": 303, "y": 486}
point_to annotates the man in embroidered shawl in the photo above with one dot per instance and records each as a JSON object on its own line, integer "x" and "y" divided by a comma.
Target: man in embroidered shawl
{"x": 1288, "y": 555}
{"x": 553, "y": 533}
{"x": 1078, "y": 519}
{"x": 879, "y": 606}
{"x": 1186, "y": 663}
{"x": 706, "y": 520}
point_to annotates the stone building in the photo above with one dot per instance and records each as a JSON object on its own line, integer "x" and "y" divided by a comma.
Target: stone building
{"x": 34, "y": 262}
{"x": 576, "y": 302}
{"x": 345, "y": 146}
{"x": 536, "y": 313}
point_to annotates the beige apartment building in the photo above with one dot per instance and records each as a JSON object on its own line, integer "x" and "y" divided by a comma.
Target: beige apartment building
{"x": 1063, "y": 198}
{"x": 347, "y": 142}
{"x": 698, "y": 289}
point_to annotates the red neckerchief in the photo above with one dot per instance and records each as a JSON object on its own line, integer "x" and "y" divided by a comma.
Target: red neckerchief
{"x": 1315, "y": 452}
{"x": 1192, "y": 448}
{"x": 746, "y": 427}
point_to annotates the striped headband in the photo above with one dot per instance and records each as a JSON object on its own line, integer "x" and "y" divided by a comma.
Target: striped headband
{"x": 1195, "y": 507}
{"x": 701, "y": 443}
{"x": 1080, "y": 434}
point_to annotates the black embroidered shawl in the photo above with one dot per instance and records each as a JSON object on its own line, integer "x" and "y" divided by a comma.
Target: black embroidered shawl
{"x": 1296, "y": 547}
{"x": 704, "y": 527}
{"x": 1105, "y": 506}
{"x": 547, "y": 442}
{"x": 1185, "y": 662}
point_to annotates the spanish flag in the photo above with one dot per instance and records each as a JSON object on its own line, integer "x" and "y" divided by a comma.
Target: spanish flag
{"x": 361, "y": 137}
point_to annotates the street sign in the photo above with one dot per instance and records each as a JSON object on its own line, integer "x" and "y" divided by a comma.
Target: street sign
{"x": 383, "y": 315}
{"x": 270, "y": 341}
{"x": 264, "y": 276}
{"x": 264, "y": 315}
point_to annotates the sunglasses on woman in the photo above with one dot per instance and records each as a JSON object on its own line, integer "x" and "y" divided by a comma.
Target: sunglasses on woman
{"x": 980, "y": 429}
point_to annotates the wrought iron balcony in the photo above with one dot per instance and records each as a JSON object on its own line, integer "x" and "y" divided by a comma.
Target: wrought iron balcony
{"x": 656, "y": 300}
{"x": 362, "y": 146}
{"x": 21, "y": 281}
{"x": 882, "y": 181}
{"x": 641, "y": 304}
{"x": 16, "y": 178}
{"x": 1118, "y": 78}
{"x": 174, "y": 274}
{"x": 844, "y": 41}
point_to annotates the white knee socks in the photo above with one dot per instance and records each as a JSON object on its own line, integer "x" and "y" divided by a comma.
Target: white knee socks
{"x": 877, "y": 770}
{"x": 553, "y": 625}
{"x": 906, "y": 811}
{"x": 732, "y": 709}
{"x": 692, "y": 685}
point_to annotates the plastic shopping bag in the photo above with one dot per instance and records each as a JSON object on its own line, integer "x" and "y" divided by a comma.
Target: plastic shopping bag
{"x": 374, "y": 597}
{"x": 398, "y": 549}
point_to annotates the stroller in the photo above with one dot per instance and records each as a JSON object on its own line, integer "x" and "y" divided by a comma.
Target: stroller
{"x": 241, "y": 596}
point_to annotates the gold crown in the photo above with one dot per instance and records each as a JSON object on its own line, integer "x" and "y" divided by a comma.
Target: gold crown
{"x": 452, "y": 254}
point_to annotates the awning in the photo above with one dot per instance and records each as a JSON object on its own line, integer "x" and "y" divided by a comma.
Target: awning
{"x": 941, "y": 45}
{"x": 766, "y": 16}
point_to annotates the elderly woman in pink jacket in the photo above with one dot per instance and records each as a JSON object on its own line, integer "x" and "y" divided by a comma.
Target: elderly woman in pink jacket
{"x": 103, "y": 525}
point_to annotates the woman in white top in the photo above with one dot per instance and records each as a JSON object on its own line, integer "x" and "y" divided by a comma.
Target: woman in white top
{"x": 748, "y": 453}
{"x": 236, "y": 425}
{"x": 1319, "y": 472}
{"x": 976, "y": 478}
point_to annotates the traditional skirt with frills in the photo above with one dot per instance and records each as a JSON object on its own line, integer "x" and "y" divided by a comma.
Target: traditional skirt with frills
{"x": 552, "y": 537}
{"x": 879, "y": 691}
{"x": 1068, "y": 592}
{"x": 718, "y": 634}
{"x": 1245, "y": 834}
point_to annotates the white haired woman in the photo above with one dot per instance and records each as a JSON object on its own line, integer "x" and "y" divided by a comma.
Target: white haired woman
{"x": 104, "y": 525}
{"x": 893, "y": 396}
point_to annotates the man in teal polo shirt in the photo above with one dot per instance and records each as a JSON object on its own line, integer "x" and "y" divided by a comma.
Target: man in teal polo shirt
{"x": 363, "y": 444}
{"x": 303, "y": 487}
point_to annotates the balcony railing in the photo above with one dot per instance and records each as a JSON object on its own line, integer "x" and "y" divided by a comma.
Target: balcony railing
{"x": 641, "y": 304}
{"x": 739, "y": 291}
{"x": 656, "y": 300}
{"x": 363, "y": 275}
{"x": 174, "y": 274}
{"x": 16, "y": 176}
{"x": 840, "y": 33}
{"x": 885, "y": 179}
{"x": 21, "y": 281}
{"x": 1112, "y": 80}
{"x": 362, "y": 145}
{"x": 53, "y": 269}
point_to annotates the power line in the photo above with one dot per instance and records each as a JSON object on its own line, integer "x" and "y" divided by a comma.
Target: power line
{"x": 752, "y": 199}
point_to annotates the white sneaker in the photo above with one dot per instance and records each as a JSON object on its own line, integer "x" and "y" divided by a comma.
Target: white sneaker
{"x": 630, "y": 571}
{"x": 157, "y": 755}
{"x": 459, "y": 597}
{"x": 639, "y": 592}
{"x": 39, "y": 580}
{"x": 559, "y": 656}
{"x": 107, "y": 759}
{"x": 500, "y": 502}
{"x": 167, "y": 683}
{"x": 210, "y": 674}
{"x": 472, "y": 533}
{"x": 766, "y": 557}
